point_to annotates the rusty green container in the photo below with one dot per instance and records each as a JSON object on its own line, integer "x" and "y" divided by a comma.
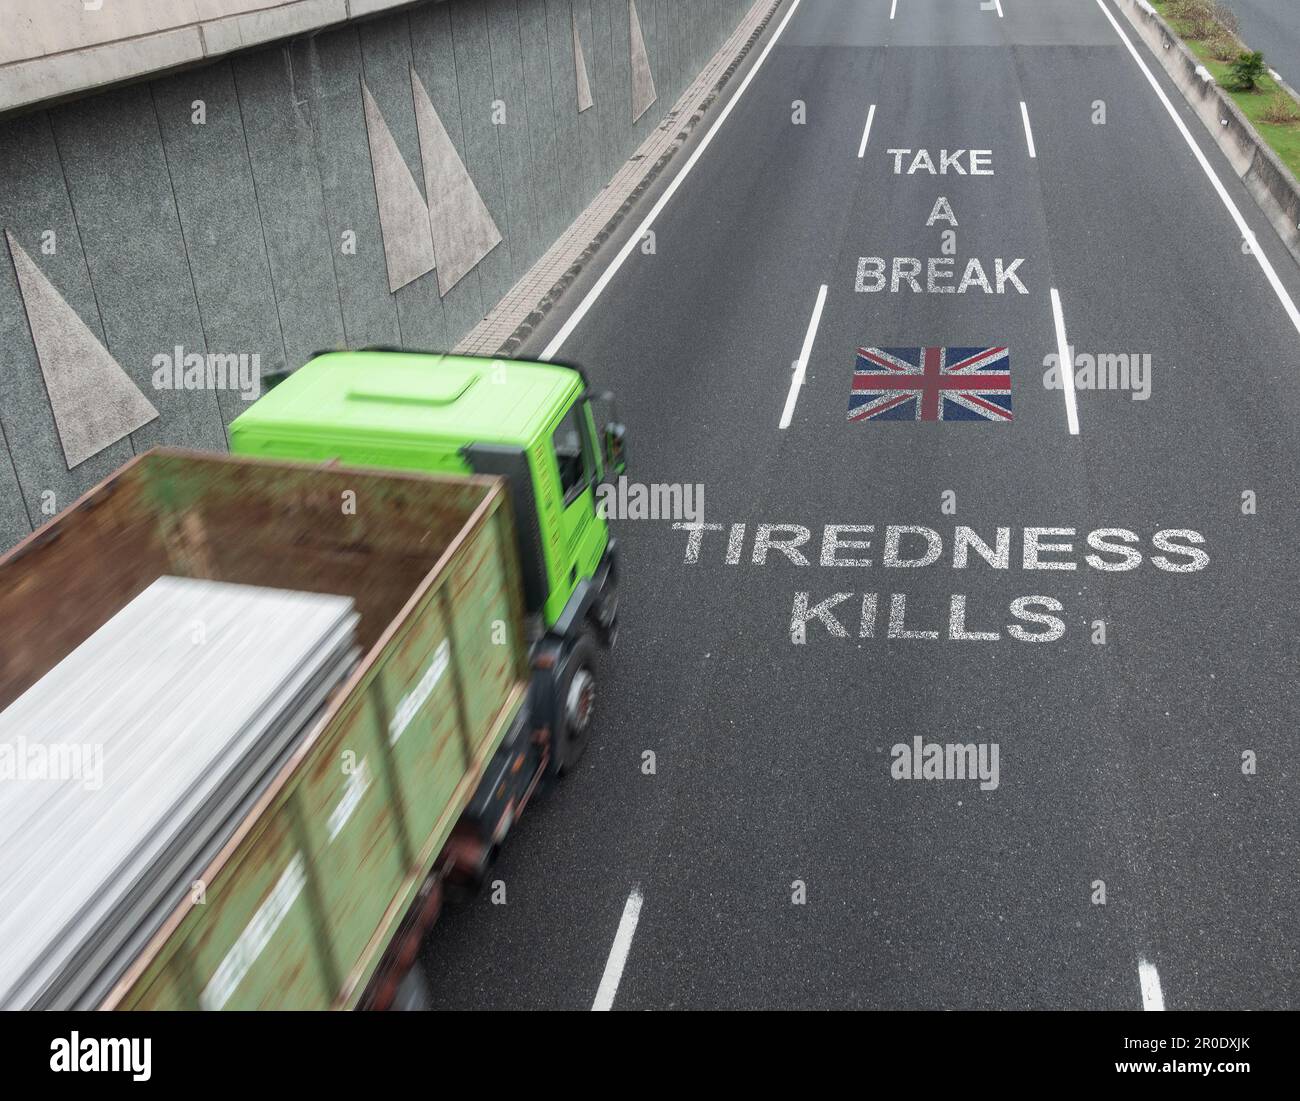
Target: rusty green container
{"x": 297, "y": 910}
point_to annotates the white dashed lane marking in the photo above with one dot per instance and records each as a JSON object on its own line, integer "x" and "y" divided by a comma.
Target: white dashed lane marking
{"x": 1029, "y": 133}
{"x": 1153, "y": 998}
{"x": 866, "y": 132}
{"x": 1066, "y": 366}
{"x": 801, "y": 365}
{"x": 618, "y": 952}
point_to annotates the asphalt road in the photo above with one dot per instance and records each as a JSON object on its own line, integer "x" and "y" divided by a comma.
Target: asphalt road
{"x": 1120, "y": 763}
{"x": 1274, "y": 27}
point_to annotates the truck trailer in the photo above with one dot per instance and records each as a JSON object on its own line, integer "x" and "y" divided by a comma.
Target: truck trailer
{"x": 443, "y": 523}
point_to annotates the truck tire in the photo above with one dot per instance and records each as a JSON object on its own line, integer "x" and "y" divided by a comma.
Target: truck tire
{"x": 577, "y": 704}
{"x": 606, "y": 622}
{"x": 413, "y": 994}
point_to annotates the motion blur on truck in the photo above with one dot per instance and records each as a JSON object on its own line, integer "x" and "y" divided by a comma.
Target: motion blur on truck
{"x": 260, "y": 712}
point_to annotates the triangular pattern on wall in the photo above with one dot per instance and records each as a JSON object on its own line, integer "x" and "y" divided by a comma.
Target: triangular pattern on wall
{"x": 94, "y": 401}
{"x": 403, "y": 214}
{"x": 643, "y": 81}
{"x": 580, "y": 68}
{"x": 463, "y": 229}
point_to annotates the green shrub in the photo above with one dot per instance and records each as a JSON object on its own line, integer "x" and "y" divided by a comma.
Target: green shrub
{"x": 1247, "y": 71}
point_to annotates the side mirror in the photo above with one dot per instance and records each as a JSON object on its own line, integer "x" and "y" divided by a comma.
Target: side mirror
{"x": 604, "y": 412}
{"x": 615, "y": 462}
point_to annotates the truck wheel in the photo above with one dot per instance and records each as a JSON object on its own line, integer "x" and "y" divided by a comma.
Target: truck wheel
{"x": 577, "y": 704}
{"x": 413, "y": 994}
{"x": 607, "y": 621}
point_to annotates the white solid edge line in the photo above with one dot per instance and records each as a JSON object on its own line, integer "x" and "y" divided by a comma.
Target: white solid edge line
{"x": 618, "y": 952}
{"x": 998, "y": 4}
{"x": 572, "y": 323}
{"x": 801, "y": 367}
{"x": 893, "y": 8}
{"x": 1029, "y": 133}
{"x": 1269, "y": 272}
{"x": 1067, "y": 366}
{"x": 866, "y": 132}
{"x": 1153, "y": 998}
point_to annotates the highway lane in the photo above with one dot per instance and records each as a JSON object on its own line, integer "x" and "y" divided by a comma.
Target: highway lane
{"x": 1274, "y": 27}
{"x": 1204, "y": 673}
{"x": 1119, "y": 762}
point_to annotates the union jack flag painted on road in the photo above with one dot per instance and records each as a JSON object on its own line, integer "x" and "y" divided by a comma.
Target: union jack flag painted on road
{"x": 931, "y": 384}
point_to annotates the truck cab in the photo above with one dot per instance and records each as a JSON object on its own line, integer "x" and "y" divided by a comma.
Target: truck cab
{"x": 531, "y": 423}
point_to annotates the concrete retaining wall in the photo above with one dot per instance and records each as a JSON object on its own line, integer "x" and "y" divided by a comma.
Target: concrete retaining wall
{"x": 384, "y": 181}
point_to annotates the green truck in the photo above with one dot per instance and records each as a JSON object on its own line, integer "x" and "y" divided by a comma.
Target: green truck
{"x": 453, "y": 500}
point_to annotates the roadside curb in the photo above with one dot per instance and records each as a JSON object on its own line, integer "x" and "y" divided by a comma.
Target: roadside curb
{"x": 1271, "y": 184}
{"x": 523, "y": 309}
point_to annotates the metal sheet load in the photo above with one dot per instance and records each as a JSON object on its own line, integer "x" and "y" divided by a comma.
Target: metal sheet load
{"x": 133, "y": 761}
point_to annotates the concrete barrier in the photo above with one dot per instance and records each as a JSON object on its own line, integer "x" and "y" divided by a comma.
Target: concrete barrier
{"x": 1269, "y": 181}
